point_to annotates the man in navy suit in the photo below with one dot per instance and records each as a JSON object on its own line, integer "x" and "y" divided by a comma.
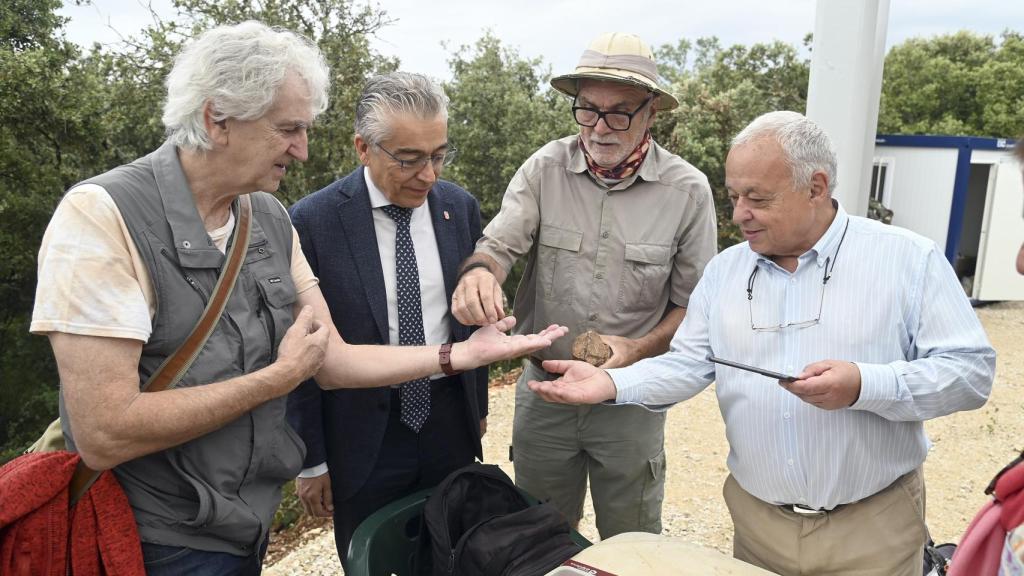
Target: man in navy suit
{"x": 361, "y": 451}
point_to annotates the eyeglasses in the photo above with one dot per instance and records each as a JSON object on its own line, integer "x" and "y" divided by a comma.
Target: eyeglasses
{"x": 619, "y": 121}
{"x": 437, "y": 161}
{"x": 821, "y": 302}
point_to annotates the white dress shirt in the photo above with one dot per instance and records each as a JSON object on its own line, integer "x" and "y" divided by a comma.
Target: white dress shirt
{"x": 433, "y": 297}
{"x": 893, "y": 306}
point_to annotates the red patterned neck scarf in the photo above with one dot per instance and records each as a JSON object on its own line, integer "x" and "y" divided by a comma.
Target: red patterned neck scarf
{"x": 626, "y": 168}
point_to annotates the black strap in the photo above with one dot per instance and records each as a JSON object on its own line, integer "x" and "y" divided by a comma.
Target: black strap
{"x": 471, "y": 266}
{"x": 992, "y": 485}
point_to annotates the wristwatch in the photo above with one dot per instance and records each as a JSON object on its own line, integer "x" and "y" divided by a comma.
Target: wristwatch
{"x": 471, "y": 266}
{"x": 445, "y": 356}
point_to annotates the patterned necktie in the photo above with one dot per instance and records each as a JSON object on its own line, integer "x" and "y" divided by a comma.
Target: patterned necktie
{"x": 415, "y": 394}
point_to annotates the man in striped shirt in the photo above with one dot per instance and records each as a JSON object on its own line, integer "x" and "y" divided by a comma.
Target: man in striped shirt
{"x": 876, "y": 332}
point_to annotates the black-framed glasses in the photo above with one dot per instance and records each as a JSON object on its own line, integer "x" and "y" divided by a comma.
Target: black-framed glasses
{"x": 821, "y": 301}
{"x": 417, "y": 163}
{"x": 619, "y": 121}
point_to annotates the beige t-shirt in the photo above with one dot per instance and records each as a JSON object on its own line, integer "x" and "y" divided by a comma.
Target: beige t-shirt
{"x": 92, "y": 280}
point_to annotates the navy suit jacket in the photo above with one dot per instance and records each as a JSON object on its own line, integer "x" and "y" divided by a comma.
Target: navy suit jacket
{"x": 345, "y": 428}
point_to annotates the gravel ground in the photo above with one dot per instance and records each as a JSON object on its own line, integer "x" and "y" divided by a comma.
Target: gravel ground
{"x": 969, "y": 447}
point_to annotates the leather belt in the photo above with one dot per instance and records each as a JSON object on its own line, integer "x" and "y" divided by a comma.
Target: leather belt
{"x": 806, "y": 510}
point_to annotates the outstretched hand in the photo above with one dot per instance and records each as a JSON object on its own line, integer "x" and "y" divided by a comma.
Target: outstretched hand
{"x": 491, "y": 344}
{"x": 581, "y": 383}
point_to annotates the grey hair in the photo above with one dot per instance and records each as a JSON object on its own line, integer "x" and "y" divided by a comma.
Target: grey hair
{"x": 397, "y": 93}
{"x": 806, "y": 147}
{"x": 239, "y": 70}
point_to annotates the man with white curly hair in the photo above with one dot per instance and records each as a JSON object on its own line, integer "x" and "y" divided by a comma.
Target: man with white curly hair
{"x": 126, "y": 267}
{"x": 875, "y": 333}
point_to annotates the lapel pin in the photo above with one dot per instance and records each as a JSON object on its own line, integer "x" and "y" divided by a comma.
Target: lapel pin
{"x": 446, "y": 216}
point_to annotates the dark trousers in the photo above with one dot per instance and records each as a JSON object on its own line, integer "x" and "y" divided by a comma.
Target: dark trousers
{"x": 163, "y": 560}
{"x": 408, "y": 461}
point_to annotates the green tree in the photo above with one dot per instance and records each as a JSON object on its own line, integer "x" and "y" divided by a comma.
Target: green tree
{"x": 49, "y": 122}
{"x": 501, "y": 112}
{"x": 69, "y": 116}
{"x": 962, "y": 84}
{"x": 341, "y": 30}
{"x": 720, "y": 90}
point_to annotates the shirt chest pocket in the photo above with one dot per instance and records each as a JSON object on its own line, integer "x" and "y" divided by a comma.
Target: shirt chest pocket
{"x": 274, "y": 294}
{"x": 278, "y": 292}
{"x": 645, "y": 277}
{"x": 558, "y": 257}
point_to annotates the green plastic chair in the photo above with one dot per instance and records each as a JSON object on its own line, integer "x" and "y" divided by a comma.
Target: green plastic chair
{"x": 387, "y": 541}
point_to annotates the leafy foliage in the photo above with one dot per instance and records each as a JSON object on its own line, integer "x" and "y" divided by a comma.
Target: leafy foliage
{"x": 341, "y": 29}
{"x": 47, "y": 143}
{"x": 75, "y": 116}
{"x": 720, "y": 90}
{"x": 29, "y": 24}
{"x": 501, "y": 112}
{"x": 957, "y": 84}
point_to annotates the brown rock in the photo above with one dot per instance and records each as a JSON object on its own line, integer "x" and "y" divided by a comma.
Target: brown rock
{"x": 589, "y": 348}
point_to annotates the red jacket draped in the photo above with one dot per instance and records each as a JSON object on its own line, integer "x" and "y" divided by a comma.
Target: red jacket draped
{"x": 37, "y": 530}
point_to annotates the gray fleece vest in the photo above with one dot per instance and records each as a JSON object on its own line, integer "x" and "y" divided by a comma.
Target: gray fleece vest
{"x": 217, "y": 492}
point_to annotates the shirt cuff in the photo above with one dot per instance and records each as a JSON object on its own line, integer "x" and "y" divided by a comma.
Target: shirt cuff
{"x": 629, "y": 388}
{"x": 318, "y": 470}
{"x": 496, "y": 251}
{"x": 878, "y": 387}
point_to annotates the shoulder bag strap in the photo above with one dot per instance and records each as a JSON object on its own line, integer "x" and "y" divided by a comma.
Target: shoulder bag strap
{"x": 175, "y": 366}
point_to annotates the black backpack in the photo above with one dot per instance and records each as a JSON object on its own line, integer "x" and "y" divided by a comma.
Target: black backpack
{"x": 480, "y": 524}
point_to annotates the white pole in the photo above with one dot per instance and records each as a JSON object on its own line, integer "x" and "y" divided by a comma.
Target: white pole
{"x": 845, "y": 86}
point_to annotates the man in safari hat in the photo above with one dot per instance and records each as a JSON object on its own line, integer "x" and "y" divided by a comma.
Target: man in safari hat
{"x": 616, "y": 231}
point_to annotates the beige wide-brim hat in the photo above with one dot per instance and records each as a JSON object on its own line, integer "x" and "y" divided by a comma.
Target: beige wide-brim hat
{"x": 617, "y": 57}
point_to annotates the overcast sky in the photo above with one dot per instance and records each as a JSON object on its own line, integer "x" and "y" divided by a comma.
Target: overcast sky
{"x": 559, "y": 30}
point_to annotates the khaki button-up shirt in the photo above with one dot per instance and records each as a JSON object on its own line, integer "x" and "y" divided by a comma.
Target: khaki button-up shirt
{"x": 607, "y": 258}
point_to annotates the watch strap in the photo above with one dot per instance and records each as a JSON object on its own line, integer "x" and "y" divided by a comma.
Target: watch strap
{"x": 444, "y": 355}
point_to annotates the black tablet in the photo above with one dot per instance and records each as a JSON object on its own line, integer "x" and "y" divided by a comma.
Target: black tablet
{"x": 761, "y": 371}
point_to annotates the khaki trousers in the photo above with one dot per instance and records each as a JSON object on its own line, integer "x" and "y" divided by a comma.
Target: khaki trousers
{"x": 620, "y": 449}
{"x": 882, "y": 535}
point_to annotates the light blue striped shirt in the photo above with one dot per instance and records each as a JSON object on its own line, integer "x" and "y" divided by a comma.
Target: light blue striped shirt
{"x": 892, "y": 305}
